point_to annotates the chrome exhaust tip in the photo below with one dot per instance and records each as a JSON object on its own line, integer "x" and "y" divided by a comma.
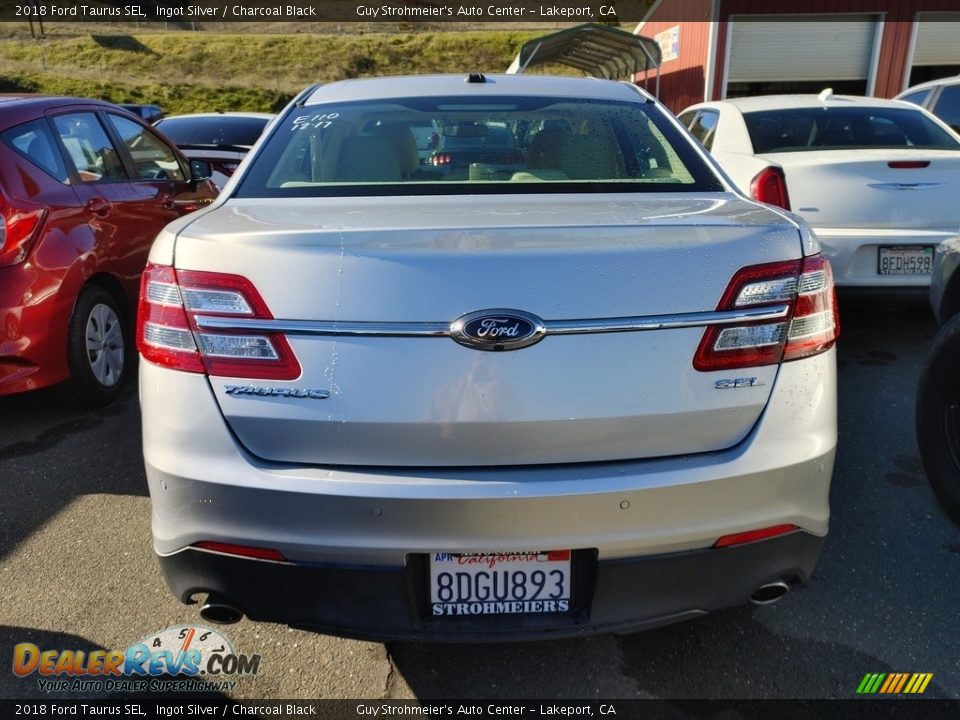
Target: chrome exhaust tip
{"x": 769, "y": 593}
{"x": 219, "y": 611}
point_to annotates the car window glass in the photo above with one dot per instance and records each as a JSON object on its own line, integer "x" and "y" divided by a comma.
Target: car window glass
{"x": 88, "y": 146}
{"x": 704, "y": 126}
{"x": 503, "y": 144}
{"x": 152, "y": 157}
{"x": 840, "y": 128}
{"x": 35, "y": 142}
{"x": 948, "y": 106}
{"x": 917, "y": 98}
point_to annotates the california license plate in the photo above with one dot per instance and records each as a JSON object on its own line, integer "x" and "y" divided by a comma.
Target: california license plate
{"x": 500, "y": 583}
{"x": 905, "y": 260}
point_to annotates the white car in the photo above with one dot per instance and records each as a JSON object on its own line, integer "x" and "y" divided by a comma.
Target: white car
{"x": 941, "y": 97}
{"x": 876, "y": 179}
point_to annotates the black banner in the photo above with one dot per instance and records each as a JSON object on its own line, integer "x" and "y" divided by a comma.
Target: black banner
{"x": 198, "y": 11}
{"x": 193, "y": 12}
{"x": 151, "y": 709}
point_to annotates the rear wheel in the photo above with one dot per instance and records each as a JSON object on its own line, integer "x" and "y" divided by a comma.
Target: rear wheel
{"x": 96, "y": 349}
{"x": 938, "y": 417}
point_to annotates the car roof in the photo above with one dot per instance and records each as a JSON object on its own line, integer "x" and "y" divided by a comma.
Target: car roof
{"x": 952, "y": 80}
{"x": 48, "y": 101}
{"x": 787, "y": 102}
{"x": 457, "y": 86}
{"x": 192, "y": 116}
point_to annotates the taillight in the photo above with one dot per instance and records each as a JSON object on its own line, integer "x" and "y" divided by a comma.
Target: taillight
{"x": 908, "y": 164}
{"x": 18, "y": 227}
{"x": 441, "y": 159}
{"x": 770, "y": 186}
{"x": 168, "y": 333}
{"x": 815, "y": 325}
{"x": 810, "y": 324}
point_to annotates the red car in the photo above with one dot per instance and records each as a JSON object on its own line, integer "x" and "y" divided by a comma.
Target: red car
{"x": 84, "y": 189}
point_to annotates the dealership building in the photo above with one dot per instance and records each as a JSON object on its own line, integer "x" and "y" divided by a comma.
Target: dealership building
{"x": 715, "y": 49}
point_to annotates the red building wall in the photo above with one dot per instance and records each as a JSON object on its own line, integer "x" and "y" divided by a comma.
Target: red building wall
{"x": 682, "y": 81}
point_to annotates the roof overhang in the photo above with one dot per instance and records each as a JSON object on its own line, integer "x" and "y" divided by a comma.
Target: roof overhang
{"x": 597, "y": 50}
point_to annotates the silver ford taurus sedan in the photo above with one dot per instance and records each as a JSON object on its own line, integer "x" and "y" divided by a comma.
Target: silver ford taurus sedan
{"x": 544, "y": 373}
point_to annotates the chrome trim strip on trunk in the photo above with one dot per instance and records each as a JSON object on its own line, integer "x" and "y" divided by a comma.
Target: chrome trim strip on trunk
{"x": 437, "y": 329}
{"x": 323, "y": 327}
{"x": 906, "y": 186}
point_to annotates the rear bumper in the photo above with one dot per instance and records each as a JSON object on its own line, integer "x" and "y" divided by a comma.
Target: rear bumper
{"x": 350, "y": 533}
{"x": 390, "y": 603}
{"x": 854, "y": 253}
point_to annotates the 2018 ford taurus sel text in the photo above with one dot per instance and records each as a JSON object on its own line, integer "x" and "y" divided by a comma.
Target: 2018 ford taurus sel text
{"x": 583, "y": 386}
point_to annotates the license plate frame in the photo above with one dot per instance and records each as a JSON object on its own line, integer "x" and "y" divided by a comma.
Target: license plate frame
{"x": 904, "y": 253}
{"x": 499, "y": 585}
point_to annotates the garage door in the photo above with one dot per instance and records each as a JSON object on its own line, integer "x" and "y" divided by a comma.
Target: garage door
{"x": 937, "y": 39}
{"x": 820, "y": 50}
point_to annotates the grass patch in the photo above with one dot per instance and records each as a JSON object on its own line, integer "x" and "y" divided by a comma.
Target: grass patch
{"x": 185, "y": 71}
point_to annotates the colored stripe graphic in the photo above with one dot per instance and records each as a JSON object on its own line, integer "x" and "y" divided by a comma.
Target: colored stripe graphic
{"x": 894, "y": 683}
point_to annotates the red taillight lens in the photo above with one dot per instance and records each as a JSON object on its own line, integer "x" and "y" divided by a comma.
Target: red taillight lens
{"x": 241, "y": 550}
{"x": 908, "y": 164}
{"x": 752, "y": 535}
{"x": 163, "y": 331}
{"x": 18, "y": 227}
{"x": 770, "y": 186}
{"x": 441, "y": 159}
{"x": 810, "y": 325}
{"x": 815, "y": 325}
{"x": 168, "y": 333}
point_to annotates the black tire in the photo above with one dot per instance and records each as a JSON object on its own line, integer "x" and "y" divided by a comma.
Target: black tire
{"x": 97, "y": 378}
{"x": 938, "y": 417}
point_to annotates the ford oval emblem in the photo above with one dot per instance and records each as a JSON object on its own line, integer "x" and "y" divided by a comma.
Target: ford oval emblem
{"x": 498, "y": 329}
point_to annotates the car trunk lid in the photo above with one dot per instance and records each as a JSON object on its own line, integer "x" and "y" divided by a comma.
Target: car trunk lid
{"x": 873, "y": 188}
{"x": 401, "y": 399}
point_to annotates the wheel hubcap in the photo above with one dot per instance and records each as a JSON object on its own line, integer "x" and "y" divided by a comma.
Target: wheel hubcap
{"x": 105, "y": 345}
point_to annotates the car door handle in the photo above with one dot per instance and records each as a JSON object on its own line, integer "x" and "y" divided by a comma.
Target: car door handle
{"x": 167, "y": 201}
{"x": 99, "y": 206}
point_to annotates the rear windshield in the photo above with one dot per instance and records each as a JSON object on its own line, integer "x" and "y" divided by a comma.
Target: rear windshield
{"x": 452, "y": 145}
{"x": 821, "y": 128}
{"x": 213, "y": 130}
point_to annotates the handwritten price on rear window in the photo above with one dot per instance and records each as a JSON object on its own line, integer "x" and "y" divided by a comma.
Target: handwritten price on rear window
{"x": 306, "y": 122}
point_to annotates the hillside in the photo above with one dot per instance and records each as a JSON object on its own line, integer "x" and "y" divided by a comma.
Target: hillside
{"x": 195, "y": 71}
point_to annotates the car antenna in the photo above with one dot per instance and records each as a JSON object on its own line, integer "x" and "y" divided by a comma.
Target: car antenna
{"x": 825, "y": 94}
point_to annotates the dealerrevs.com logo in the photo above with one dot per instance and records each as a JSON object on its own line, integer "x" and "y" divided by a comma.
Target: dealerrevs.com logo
{"x": 183, "y": 658}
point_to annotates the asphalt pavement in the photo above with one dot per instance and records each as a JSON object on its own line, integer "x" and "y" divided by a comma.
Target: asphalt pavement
{"x": 77, "y": 570}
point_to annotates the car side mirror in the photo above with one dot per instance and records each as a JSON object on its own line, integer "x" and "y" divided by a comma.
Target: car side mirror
{"x": 200, "y": 170}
